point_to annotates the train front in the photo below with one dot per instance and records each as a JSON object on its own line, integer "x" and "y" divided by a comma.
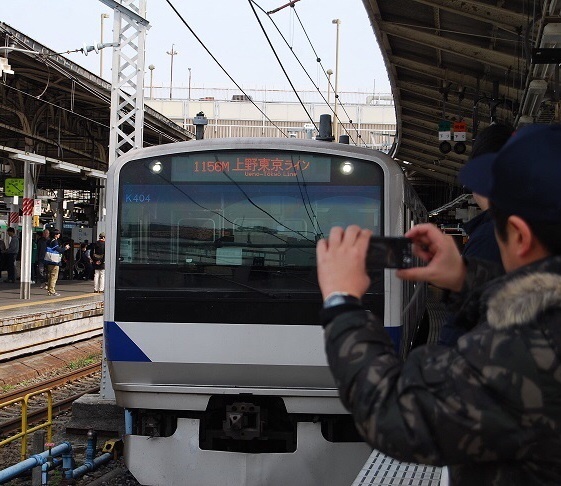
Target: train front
{"x": 212, "y": 337}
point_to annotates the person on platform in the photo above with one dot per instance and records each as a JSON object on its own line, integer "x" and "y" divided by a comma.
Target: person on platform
{"x": 34, "y": 252}
{"x": 11, "y": 255}
{"x": 53, "y": 263}
{"x": 490, "y": 406}
{"x": 2, "y": 255}
{"x": 480, "y": 229}
{"x": 98, "y": 259}
{"x": 83, "y": 258}
{"x": 41, "y": 250}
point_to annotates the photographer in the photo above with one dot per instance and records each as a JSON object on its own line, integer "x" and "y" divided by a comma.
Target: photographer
{"x": 490, "y": 407}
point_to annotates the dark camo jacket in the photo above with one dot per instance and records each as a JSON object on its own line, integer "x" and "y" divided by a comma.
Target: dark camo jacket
{"x": 489, "y": 408}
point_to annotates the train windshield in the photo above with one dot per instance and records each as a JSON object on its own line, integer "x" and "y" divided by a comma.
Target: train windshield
{"x": 238, "y": 220}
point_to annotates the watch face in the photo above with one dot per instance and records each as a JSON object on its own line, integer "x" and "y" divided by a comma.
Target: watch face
{"x": 13, "y": 187}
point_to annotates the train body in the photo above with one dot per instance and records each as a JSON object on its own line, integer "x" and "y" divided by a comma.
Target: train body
{"x": 212, "y": 333}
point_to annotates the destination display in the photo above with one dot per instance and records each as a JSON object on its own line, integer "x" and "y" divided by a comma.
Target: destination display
{"x": 249, "y": 167}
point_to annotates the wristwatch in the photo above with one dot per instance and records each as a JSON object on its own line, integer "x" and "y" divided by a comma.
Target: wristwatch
{"x": 340, "y": 298}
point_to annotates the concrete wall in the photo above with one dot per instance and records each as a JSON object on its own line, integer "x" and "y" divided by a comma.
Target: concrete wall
{"x": 374, "y": 122}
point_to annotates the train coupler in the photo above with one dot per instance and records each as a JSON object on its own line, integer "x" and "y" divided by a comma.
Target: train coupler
{"x": 243, "y": 421}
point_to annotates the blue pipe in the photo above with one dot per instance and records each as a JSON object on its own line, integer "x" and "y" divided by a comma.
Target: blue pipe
{"x": 91, "y": 445}
{"x": 128, "y": 422}
{"x": 35, "y": 460}
{"x": 68, "y": 462}
{"x": 51, "y": 464}
{"x": 91, "y": 465}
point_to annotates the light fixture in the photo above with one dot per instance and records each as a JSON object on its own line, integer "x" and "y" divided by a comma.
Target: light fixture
{"x": 551, "y": 35}
{"x": 534, "y": 97}
{"x": 5, "y": 66}
{"x": 13, "y": 48}
{"x": 525, "y": 120}
{"x": 66, "y": 167}
{"x": 27, "y": 157}
{"x": 551, "y": 38}
{"x": 99, "y": 174}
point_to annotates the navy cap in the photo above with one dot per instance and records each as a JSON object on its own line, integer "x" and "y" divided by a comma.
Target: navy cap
{"x": 524, "y": 176}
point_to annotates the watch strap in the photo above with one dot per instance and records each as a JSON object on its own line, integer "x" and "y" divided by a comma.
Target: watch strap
{"x": 340, "y": 298}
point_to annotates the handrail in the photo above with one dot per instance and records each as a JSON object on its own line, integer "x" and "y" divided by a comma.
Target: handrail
{"x": 25, "y": 431}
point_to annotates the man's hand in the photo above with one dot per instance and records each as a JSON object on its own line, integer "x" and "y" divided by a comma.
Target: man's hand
{"x": 341, "y": 261}
{"x": 445, "y": 269}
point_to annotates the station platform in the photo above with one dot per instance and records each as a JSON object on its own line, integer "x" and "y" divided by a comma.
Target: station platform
{"x": 381, "y": 470}
{"x": 70, "y": 290}
{"x": 43, "y": 322}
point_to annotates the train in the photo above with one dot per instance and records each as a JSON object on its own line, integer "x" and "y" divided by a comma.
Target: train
{"x": 212, "y": 334}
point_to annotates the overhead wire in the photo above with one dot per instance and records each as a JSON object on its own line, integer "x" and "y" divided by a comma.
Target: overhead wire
{"x": 222, "y": 67}
{"x": 55, "y": 105}
{"x": 329, "y": 81}
{"x": 281, "y": 65}
{"x": 221, "y": 214}
{"x": 460, "y": 32}
{"x": 246, "y": 195}
{"x": 107, "y": 99}
{"x": 74, "y": 113}
{"x": 306, "y": 72}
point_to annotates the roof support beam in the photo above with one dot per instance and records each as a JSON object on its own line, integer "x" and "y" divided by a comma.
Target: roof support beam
{"x": 501, "y": 17}
{"x": 413, "y": 120}
{"x": 428, "y": 173}
{"x": 431, "y": 164}
{"x": 53, "y": 143}
{"x": 434, "y": 94}
{"x": 486, "y": 56}
{"x": 455, "y": 77}
{"x": 426, "y": 167}
{"x": 431, "y": 93}
{"x": 424, "y": 161}
{"x": 433, "y": 112}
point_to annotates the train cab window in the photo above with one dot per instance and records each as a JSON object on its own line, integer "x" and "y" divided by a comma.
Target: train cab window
{"x": 222, "y": 220}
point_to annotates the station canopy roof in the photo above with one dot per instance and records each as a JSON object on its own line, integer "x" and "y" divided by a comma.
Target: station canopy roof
{"x": 465, "y": 61}
{"x": 53, "y": 107}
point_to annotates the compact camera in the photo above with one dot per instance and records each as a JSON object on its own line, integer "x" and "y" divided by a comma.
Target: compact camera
{"x": 389, "y": 252}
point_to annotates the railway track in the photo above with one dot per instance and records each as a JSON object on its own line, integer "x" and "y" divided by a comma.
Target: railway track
{"x": 65, "y": 389}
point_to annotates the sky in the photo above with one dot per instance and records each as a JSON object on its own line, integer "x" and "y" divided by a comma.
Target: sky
{"x": 230, "y": 31}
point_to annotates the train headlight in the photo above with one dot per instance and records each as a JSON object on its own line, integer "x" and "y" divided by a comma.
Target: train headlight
{"x": 347, "y": 168}
{"x": 156, "y": 166}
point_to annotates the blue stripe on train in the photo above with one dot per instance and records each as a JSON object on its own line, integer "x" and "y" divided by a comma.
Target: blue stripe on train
{"x": 395, "y": 335}
{"x": 119, "y": 346}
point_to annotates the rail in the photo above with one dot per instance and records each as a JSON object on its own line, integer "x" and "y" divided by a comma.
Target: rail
{"x": 54, "y": 381}
{"x": 28, "y": 416}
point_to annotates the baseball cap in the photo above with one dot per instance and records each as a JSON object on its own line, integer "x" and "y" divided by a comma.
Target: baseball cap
{"x": 102, "y": 235}
{"x": 524, "y": 176}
